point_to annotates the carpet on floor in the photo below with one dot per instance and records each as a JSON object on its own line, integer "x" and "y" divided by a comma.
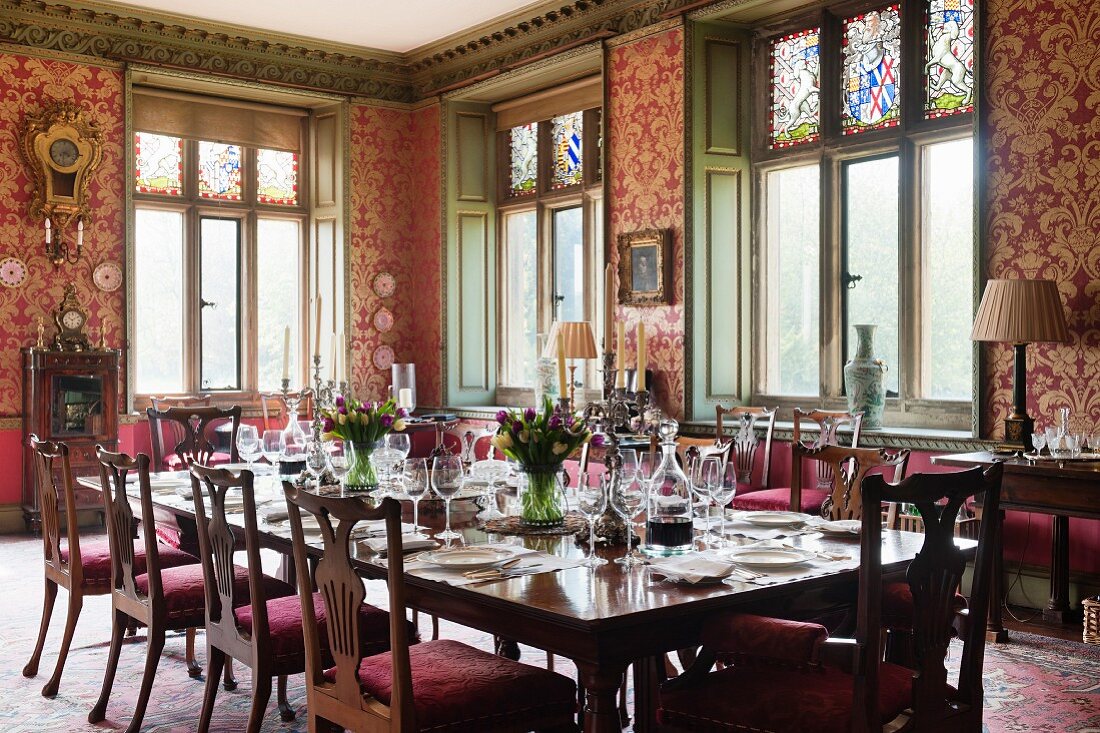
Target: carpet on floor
{"x": 1032, "y": 684}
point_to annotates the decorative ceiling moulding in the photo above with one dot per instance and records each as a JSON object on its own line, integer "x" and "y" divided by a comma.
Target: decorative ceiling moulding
{"x": 89, "y": 31}
{"x": 649, "y": 30}
{"x": 575, "y": 63}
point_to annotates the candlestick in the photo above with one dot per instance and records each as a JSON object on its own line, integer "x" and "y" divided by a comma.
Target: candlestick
{"x": 286, "y": 352}
{"x": 317, "y": 329}
{"x": 561, "y": 366}
{"x": 49, "y": 233}
{"x": 641, "y": 358}
{"x": 609, "y": 305}
{"x": 620, "y": 351}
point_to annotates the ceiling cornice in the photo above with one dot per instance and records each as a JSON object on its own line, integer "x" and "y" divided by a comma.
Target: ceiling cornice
{"x": 107, "y": 31}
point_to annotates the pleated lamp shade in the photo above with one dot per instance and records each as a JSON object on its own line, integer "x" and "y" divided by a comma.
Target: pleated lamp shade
{"x": 1020, "y": 312}
{"x": 579, "y": 341}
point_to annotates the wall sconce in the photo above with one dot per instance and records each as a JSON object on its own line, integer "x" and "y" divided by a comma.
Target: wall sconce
{"x": 57, "y": 249}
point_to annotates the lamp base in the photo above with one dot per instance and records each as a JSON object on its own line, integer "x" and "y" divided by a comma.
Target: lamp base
{"x": 1018, "y": 430}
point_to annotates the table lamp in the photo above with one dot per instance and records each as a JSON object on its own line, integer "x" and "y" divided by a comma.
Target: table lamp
{"x": 1020, "y": 312}
{"x": 576, "y": 342}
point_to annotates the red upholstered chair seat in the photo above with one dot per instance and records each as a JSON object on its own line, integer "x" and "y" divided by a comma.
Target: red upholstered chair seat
{"x": 284, "y": 619}
{"x": 779, "y": 500}
{"x": 173, "y": 462}
{"x": 459, "y": 688}
{"x": 186, "y": 600}
{"x": 762, "y": 697}
{"x": 897, "y": 606}
{"x": 96, "y": 559}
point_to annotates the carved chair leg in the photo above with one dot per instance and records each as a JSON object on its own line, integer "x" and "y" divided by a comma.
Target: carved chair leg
{"x": 76, "y": 602}
{"x": 261, "y": 694}
{"x": 285, "y": 711}
{"x": 99, "y": 711}
{"x": 213, "y": 674}
{"x": 152, "y": 659}
{"x": 435, "y": 628}
{"x": 230, "y": 682}
{"x": 131, "y": 627}
{"x": 194, "y": 671}
{"x": 47, "y": 612}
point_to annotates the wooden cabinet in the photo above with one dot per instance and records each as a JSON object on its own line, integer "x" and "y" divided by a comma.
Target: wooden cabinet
{"x": 71, "y": 397}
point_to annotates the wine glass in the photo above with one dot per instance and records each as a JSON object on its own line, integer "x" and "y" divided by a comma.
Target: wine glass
{"x": 316, "y": 458}
{"x": 709, "y": 475}
{"x": 1038, "y": 440}
{"x": 722, "y": 487}
{"x": 446, "y": 481}
{"x": 273, "y": 445}
{"x": 592, "y": 501}
{"x": 629, "y": 469}
{"x": 387, "y": 460}
{"x": 629, "y": 503}
{"x": 338, "y": 460}
{"x": 399, "y": 442}
{"x": 414, "y": 480}
{"x": 248, "y": 444}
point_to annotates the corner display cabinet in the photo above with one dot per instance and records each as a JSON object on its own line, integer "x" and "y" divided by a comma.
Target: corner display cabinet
{"x": 70, "y": 397}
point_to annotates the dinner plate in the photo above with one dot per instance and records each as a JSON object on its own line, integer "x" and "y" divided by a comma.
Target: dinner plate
{"x": 840, "y": 527}
{"x": 466, "y": 558}
{"x": 767, "y": 557}
{"x": 463, "y": 493}
{"x": 774, "y": 519}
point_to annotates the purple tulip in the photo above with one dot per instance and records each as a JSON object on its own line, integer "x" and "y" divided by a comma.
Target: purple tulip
{"x": 339, "y": 400}
{"x": 502, "y": 416}
{"x": 555, "y": 422}
{"x": 362, "y": 409}
{"x": 342, "y": 410}
{"x": 517, "y": 427}
{"x": 598, "y": 441}
{"x": 402, "y": 412}
{"x": 529, "y": 414}
{"x": 387, "y": 421}
{"x": 329, "y": 425}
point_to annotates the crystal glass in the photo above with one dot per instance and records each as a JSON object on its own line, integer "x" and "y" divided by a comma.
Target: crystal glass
{"x": 338, "y": 460}
{"x": 629, "y": 471}
{"x": 249, "y": 447}
{"x": 629, "y": 503}
{"x": 414, "y": 482}
{"x": 1039, "y": 440}
{"x": 293, "y": 458}
{"x": 709, "y": 476}
{"x": 399, "y": 442}
{"x": 446, "y": 482}
{"x": 670, "y": 513}
{"x": 316, "y": 458}
{"x": 591, "y": 502}
{"x": 386, "y": 460}
{"x": 492, "y": 472}
{"x": 722, "y": 492}
{"x": 272, "y": 445}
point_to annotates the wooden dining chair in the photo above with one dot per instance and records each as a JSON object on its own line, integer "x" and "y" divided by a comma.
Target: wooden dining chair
{"x": 193, "y": 430}
{"x": 810, "y": 499}
{"x": 842, "y": 686}
{"x": 746, "y": 449}
{"x": 847, "y": 467}
{"x": 441, "y": 686}
{"x": 139, "y": 593}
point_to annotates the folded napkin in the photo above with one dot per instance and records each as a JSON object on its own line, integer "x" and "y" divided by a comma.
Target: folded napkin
{"x": 691, "y": 569}
{"x": 408, "y": 542}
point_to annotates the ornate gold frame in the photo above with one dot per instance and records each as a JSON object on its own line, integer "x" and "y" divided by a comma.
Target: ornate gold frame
{"x": 61, "y": 120}
{"x": 659, "y": 239}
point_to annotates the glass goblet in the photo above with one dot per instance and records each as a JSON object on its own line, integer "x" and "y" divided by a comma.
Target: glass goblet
{"x": 248, "y": 444}
{"x": 629, "y": 503}
{"x": 1039, "y": 440}
{"x": 414, "y": 481}
{"x": 338, "y": 460}
{"x": 592, "y": 501}
{"x": 399, "y": 442}
{"x": 273, "y": 445}
{"x": 446, "y": 481}
{"x": 722, "y": 488}
{"x": 710, "y": 475}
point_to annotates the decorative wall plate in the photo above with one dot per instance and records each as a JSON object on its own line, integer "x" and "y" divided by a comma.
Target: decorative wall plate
{"x": 383, "y": 320}
{"x": 107, "y": 277}
{"x": 13, "y": 272}
{"x": 384, "y": 284}
{"x": 383, "y": 357}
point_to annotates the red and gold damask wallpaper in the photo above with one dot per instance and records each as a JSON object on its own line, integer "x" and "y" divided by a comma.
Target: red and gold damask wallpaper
{"x": 395, "y": 200}
{"x": 1043, "y": 175}
{"x": 645, "y": 167}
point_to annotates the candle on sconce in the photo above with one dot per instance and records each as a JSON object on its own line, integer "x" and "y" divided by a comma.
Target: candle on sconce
{"x": 286, "y": 352}
{"x": 79, "y": 233}
{"x": 620, "y": 348}
{"x": 317, "y": 329}
{"x": 641, "y": 357}
{"x": 562, "y": 386}
{"x": 49, "y": 231}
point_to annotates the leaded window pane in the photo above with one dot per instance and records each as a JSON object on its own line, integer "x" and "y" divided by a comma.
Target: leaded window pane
{"x": 871, "y": 75}
{"x": 276, "y": 177}
{"x": 566, "y": 146}
{"x": 523, "y": 146}
{"x": 219, "y": 171}
{"x": 158, "y": 164}
{"x": 949, "y": 62}
{"x": 796, "y": 101}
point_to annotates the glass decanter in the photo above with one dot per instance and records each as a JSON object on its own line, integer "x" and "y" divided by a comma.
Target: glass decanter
{"x": 669, "y": 525}
{"x": 293, "y": 460}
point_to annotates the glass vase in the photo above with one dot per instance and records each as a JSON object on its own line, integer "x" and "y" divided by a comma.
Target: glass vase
{"x": 542, "y": 500}
{"x": 362, "y": 475}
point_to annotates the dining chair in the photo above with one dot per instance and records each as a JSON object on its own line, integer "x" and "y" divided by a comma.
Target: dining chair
{"x": 745, "y": 448}
{"x": 81, "y": 568}
{"x": 264, "y": 629}
{"x": 191, "y": 427}
{"x": 810, "y": 499}
{"x": 441, "y": 686}
{"x": 842, "y": 686}
{"x": 151, "y": 593}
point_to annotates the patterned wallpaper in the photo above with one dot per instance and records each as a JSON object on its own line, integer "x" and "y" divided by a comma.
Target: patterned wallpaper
{"x": 645, "y": 166}
{"x": 395, "y": 228}
{"x": 25, "y": 84}
{"x": 1043, "y": 174}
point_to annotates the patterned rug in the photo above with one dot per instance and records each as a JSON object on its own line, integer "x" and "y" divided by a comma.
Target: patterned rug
{"x": 1032, "y": 683}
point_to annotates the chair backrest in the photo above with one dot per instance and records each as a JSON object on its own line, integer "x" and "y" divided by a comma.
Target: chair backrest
{"x": 114, "y": 469}
{"x": 746, "y": 445}
{"x": 165, "y": 434}
{"x": 933, "y": 576}
{"x": 343, "y": 591}
{"x": 193, "y": 427}
{"x": 828, "y": 423}
{"x": 274, "y": 409}
{"x": 217, "y": 542}
{"x": 848, "y": 467}
{"x": 45, "y": 453}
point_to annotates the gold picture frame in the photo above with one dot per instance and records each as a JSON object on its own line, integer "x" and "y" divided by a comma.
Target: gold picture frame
{"x": 645, "y": 276}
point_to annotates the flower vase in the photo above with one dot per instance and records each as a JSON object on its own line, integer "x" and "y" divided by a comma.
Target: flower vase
{"x": 865, "y": 379}
{"x": 542, "y": 498}
{"x": 361, "y": 475}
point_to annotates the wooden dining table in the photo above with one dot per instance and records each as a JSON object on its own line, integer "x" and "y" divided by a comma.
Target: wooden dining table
{"x": 604, "y": 620}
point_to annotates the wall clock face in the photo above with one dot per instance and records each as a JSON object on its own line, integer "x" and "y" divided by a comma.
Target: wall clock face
{"x": 63, "y": 152}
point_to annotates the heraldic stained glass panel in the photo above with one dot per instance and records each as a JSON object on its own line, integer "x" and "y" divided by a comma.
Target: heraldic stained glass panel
{"x": 565, "y": 141}
{"x": 949, "y": 62}
{"x": 158, "y": 164}
{"x": 796, "y": 101}
{"x": 219, "y": 171}
{"x": 276, "y": 177}
{"x": 871, "y": 81}
{"x": 523, "y": 146}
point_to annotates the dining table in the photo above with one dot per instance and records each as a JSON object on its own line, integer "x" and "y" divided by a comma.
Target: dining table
{"x": 603, "y": 619}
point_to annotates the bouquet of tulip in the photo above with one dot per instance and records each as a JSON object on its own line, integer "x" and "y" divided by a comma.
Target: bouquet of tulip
{"x": 540, "y": 441}
{"x": 361, "y": 425}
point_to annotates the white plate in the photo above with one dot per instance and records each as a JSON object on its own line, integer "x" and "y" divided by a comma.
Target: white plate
{"x": 467, "y": 558}
{"x": 766, "y": 557}
{"x": 841, "y": 527}
{"x": 463, "y": 493}
{"x": 774, "y": 519}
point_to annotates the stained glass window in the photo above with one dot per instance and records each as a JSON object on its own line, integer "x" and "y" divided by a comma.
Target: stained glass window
{"x": 949, "y": 64}
{"x": 565, "y": 141}
{"x": 871, "y": 81}
{"x": 796, "y": 101}
{"x": 276, "y": 177}
{"x": 158, "y": 164}
{"x": 219, "y": 171}
{"x": 523, "y": 144}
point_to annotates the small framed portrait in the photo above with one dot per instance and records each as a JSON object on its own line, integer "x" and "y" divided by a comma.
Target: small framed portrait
{"x": 644, "y": 259}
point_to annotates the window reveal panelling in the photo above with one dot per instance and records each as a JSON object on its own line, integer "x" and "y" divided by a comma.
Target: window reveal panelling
{"x": 473, "y": 300}
{"x": 472, "y": 157}
{"x": 723, "y": 271}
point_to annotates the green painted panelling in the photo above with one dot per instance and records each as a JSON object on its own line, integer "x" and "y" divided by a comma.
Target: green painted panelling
{"x": 723, "y": 65}
{"x": 723, "y": 233}
{"x": 473, "y": 292}
{"x": 473, "y": 164}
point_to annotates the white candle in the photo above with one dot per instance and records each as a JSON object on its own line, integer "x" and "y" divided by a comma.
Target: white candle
{"x": 405, "y": 398}
{"x": 332, "y": 357}
{"x": 79, "y": 232}
{"x": 49, "y": 234}
{"x": 563, "y": 392}
{"x": 317, "y": 329}
{"x": 641, "y": 357}
{"x": 620, "y": 346}
{"x": 286, "y": 353}
{"x": 609, "y": 305}
{"x": 341, "y": 356}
